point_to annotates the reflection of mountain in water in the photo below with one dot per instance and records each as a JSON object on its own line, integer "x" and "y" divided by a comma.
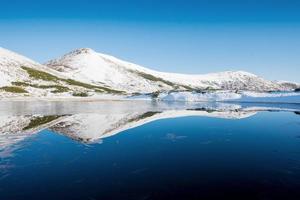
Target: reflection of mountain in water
{"x": 16, "y": 128}
{"x": 92, "y": 126}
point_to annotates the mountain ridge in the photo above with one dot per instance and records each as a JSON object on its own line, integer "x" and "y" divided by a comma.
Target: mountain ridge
{"x": 85, "y": 60}
{"x": 84, "y": 72}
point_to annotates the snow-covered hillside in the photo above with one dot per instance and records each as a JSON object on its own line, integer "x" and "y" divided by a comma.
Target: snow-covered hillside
{"x": 288, "y": 84}
{"x": 86, "y": 73}
{"x": 89, "y": 66}
{"x": 22, "y": 77}
{"x": 11, "y": 67}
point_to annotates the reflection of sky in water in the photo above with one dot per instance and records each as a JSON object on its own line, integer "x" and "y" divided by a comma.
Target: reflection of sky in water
{"x": 170, "y": 158}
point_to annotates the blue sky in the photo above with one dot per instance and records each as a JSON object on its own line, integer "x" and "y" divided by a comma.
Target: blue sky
{"x": 261, "y": 37}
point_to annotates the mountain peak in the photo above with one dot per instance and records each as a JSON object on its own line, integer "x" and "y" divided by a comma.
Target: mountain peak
{"x": 82, "y": 51}
{"x": 68, "y": 61}
{"x": 241, "y": 72}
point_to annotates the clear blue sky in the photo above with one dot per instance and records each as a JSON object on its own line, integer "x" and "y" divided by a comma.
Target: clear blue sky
{"x": 259, "y": 36}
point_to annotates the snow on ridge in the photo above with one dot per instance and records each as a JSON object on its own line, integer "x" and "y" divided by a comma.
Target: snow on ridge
{"x": 12, "y": 70}
{"x": 289, "y": 84}
{"x": 10, "y": 67}
{"x": 117, "y": 61}
{"x": 10, "y": 63}
{"x": 87, "y": 65}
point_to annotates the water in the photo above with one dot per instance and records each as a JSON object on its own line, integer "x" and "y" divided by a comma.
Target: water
{"x": 140, "y": 150}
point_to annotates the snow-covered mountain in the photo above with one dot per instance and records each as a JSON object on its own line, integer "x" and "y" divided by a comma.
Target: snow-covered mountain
{"x": 288, "y": 84}
{"x": 21, "y": 76}
{"x": 89, "y": 66}
{"x": 86, "y": 73}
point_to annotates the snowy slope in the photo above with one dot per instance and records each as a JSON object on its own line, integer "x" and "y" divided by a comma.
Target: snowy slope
{"x": 10, "y": 67}
{"x": 16, "y": 71}
{"x": 289, "y": 84}
{"x": 11, "y": 70}
{"x": 87, "y": 65}
{"x": 84, "y": 72}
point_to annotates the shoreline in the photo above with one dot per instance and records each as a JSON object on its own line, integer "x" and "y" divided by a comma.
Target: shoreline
{"x": 224, "y": 96}
{"x": 70, "y": 99}
{"x": 84, "y": 99}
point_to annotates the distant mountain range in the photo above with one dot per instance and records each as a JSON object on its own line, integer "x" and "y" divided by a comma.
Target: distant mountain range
{"x": 84, "y": 72}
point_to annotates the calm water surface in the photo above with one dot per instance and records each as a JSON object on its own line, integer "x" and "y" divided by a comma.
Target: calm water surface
{"x": 149, "y": 151}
